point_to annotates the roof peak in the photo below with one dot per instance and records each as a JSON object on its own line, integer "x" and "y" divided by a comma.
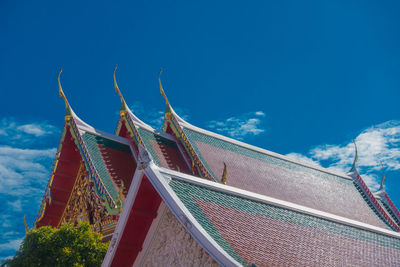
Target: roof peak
{"x": 125, "y": 110}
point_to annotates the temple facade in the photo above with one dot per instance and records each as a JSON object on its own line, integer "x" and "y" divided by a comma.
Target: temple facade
{"x": 185, "y": 196}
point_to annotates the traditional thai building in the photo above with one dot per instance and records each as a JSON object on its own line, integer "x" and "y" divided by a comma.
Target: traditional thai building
{"x": 185, "y": 196}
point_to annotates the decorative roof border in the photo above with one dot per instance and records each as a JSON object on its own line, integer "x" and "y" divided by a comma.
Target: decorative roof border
{"x": 181, "y": 136}
{"x": 392, "y": 206}
{"x": 388, "y": 205}
{"x": 386, "y": 201}
{"x": 101, "y": 190}
{"x": 47, "y": 195}
{"x": 368, "y": 195}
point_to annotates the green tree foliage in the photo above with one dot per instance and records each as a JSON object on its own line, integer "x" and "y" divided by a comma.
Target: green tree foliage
{"x": 66, "y": 246}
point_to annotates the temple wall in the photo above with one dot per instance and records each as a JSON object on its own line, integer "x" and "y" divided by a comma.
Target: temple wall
{"x": 172, "y": 245}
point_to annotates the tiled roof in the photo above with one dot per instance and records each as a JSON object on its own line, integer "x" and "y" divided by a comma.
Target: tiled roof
{"x": 267, "y": 235}
{"x": 112, "y": 160}
{"x": 276, "y": 177}
{"x": 164, "y": 151}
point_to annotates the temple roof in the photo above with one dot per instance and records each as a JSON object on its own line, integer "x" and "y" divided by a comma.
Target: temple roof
{"x": 244, "y": 205}
{"x": 239, "y": 227}
{"x": 270, "y": 174}
{"x": 163, "y": 147}
{"x": 108, "y": 159}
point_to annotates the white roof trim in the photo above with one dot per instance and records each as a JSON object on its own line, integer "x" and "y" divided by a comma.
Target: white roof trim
{"x": 84, "y": 127}
{"x": 186, "y": 218}
{"x": 185, "y": 124}
{"x": 78, "y": 121}
{"x": 276, "y": 202}
{"x": 100, "y": 133}
{"x": 119, "y": 229}
{"x": 139, "y": 122}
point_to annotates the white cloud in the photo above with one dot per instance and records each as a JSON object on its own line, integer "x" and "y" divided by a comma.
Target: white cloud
{"x": 260, "y": 113}
{"x": 11, "y": 245}
{"x": 26, "y": 155}
{"x": 16, "y": 205}
{"x": 248, "y": 124}
{"x": 377, "y": 143}
{"x": 22, "y": 168}
{"x": 15, "y": 132}
{"x": 33, "y": 129}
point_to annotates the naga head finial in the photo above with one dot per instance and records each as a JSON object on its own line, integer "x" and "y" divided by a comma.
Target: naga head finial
{"x": 383, "y": 176}
{"x": 162, "y": 90}
{"x": 60, "y": 90}
{"x": 123, "y": 108}
{"x": 355, "y": 156}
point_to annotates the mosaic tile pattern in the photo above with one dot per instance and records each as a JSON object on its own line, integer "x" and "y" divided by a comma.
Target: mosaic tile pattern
{"x": 281, "y": 179}
{"x": 254, "y": 232}
{"x": 165, "y": 152}
{"x": 95, "y": 144}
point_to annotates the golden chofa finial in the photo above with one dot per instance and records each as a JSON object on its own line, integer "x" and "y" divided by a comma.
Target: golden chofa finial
{"x": 383, "y": 176}
{"x": 163, "y": 94}
{"x": 123, "y": 108}
{"x": 67, "y": 106}
{"x": 356, "y": 155}
{"x": 223, "y": 180}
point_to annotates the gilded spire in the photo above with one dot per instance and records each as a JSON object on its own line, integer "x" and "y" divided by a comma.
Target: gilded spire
{"x": 223, "y": 180}
{"x": 383, "y": 176}
{"x": 162, "y": 90}
{"x": 123, "y": 108}
{"x": 67, "y": 106}
{"x": 355, "y": 157}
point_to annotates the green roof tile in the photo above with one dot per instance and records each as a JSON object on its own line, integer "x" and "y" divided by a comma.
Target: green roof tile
{"x": 148, "y": 136}
{"x": 188, "y": 193}
{"x": 92, "y": 141}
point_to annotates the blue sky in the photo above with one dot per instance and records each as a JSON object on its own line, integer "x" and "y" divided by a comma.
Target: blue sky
{"x": 301, "y": 78}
